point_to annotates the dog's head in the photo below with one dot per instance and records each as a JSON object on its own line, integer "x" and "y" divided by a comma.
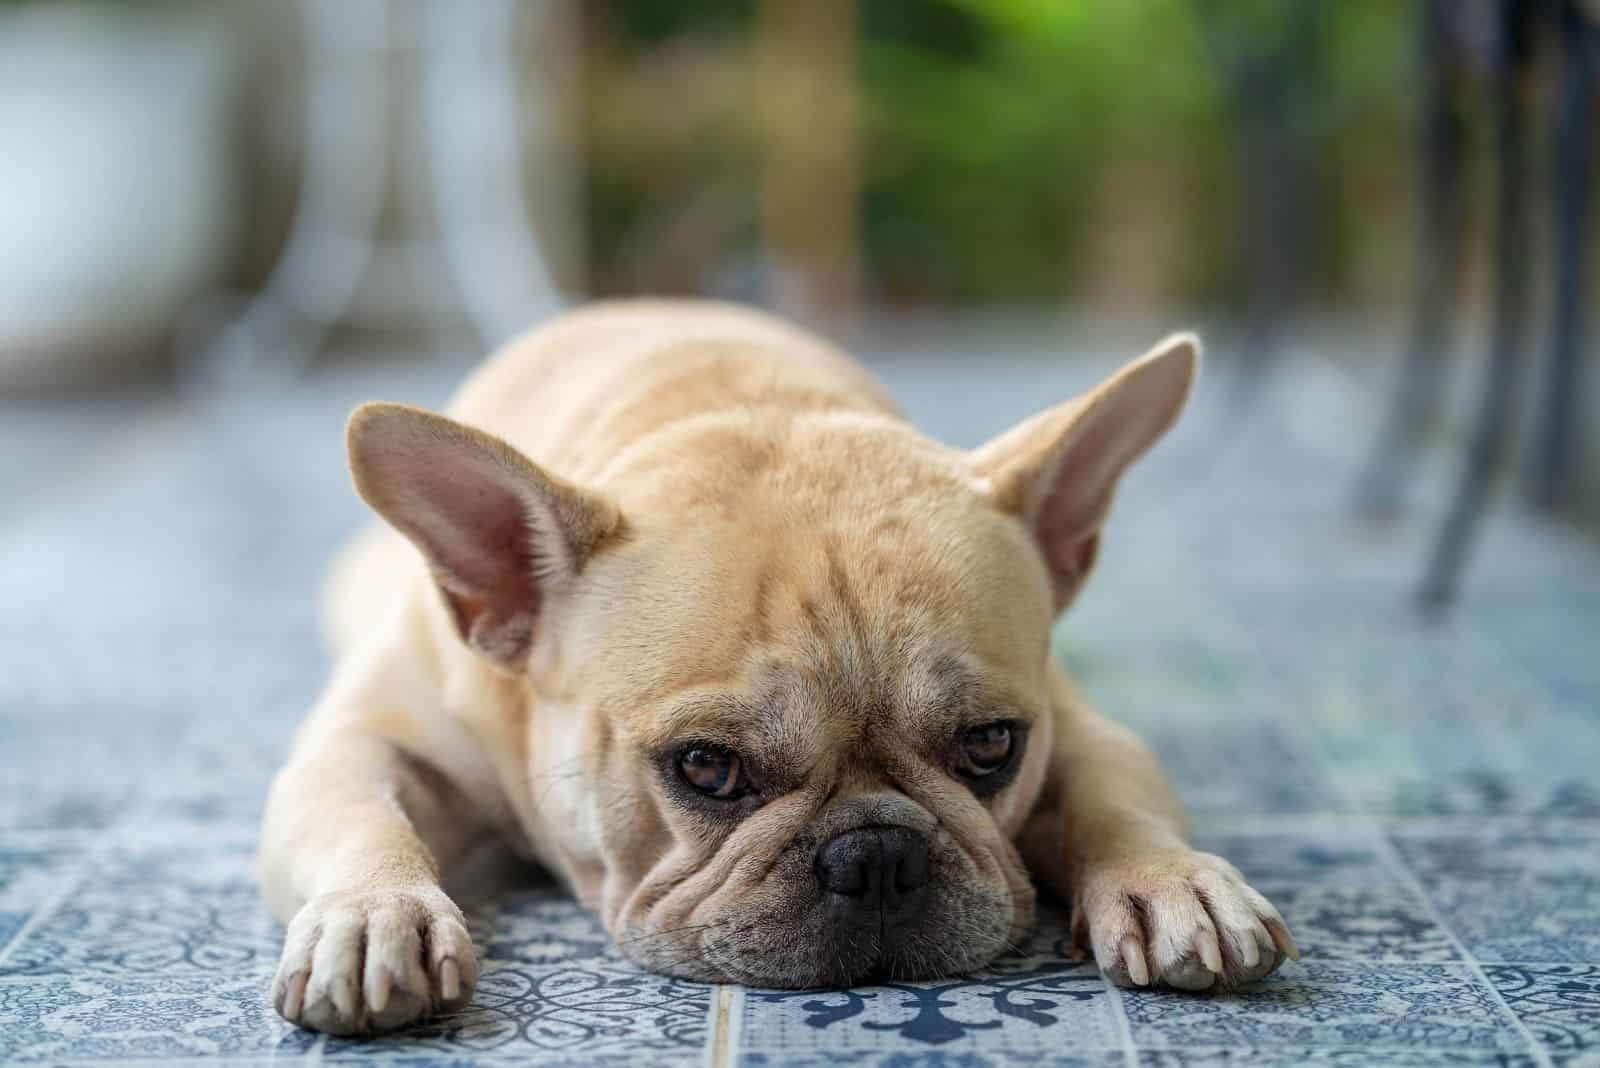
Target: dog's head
{"x": 787, "y": 677}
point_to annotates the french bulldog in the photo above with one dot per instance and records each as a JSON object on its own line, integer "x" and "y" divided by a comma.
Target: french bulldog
{"x": 676, "y": 603}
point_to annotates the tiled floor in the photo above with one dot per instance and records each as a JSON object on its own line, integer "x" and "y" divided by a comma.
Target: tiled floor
{"x": 1424, "y": 803}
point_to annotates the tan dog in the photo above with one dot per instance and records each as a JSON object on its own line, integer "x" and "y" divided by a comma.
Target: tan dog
{"x": 762, "y": 674}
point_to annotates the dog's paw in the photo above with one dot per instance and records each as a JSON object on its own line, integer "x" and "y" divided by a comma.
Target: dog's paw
{"x": 1181, "y": 918}
{"x": 371, "y": 961}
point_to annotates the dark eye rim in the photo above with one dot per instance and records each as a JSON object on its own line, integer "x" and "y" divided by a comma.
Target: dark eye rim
{"x": 672, "y": 774}
{"x": 992, "y": 780}
{"x": 741, "y": 779}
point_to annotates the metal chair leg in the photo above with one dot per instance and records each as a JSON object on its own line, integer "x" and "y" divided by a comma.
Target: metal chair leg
{"x": 1414, "y": 406}
{"x": 1278, "y": 117}
{"x": 1497, "y": 402}
{"x": 1549, "y": 474}
{"x": 332, "y": 240}
{"x": 472, "y": 118}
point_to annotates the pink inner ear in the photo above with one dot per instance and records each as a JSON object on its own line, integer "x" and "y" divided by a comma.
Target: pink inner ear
{"x": 1124, "y": 420}
{"x": 474, "y": 515}
{"x": 1071, "y": 558}
{"x": 1079, "y": 490}
{"x": 471, "y": 516}
{"x": 491, "y": 567}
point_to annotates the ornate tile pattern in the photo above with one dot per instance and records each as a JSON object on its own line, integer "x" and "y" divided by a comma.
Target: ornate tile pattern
{"x": 156, "y": 908}
{"x": 1343, "y": 898}
{"x": 1522, "y": 892}
{"x": 1371, "y": 1007}
{"x": 32, "y": 870}
{"x": 1344, "y": 1056}
{"x": 161, "y": 1019}
{"x": 1065, "y": 1057}
{"x": 595, "y": 1011}
{"x": 1422, "y": 804}
{"x": 1560, "y": 1003}
{"x": 1029, "y": 1013}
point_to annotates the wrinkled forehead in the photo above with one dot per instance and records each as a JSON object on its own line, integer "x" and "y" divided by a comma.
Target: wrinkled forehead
{"x": 870, "y": 623}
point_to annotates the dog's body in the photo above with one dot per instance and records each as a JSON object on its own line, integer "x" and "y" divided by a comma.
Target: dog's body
{"x": 760, "y": 673}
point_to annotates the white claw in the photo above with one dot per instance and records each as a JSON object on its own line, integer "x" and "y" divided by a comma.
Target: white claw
{"x": 449, "y": 980}
{"x": 1210, "y": 952}
{"x": 1133, "y": 959}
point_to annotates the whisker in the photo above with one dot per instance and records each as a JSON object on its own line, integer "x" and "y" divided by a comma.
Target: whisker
{"x": 667, "y": 933}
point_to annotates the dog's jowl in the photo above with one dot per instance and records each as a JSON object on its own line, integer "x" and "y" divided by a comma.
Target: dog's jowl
{"x": 676, "y": 600}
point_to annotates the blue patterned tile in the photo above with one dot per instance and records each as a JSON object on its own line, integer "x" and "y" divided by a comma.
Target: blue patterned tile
{"x": 170, "y": 905}
{"x": 555, "y": 990}
{"x": 1559, "y": 1003}
{"x": 1065, "y": 1057}
{"x": 387, "y": 1053}
{"x": 1024, "y": 1014}
{"x": 288, "y": 1054}
{"x": 33, "y": 868}
{"x": 1369, "y": 924}
{"x": 163, "y": 1019}
{"x": 1371, "y": 1007}
{"x": 596, "y": 1011}
{"x": 1587, "y": 1059}
{"x": 536, "y": 926}
{"x": 1031, "y": 1004}
{"x": 1341, "y": 1056}
{"x": 1518, "y": 892}
{"x": 1342, "y": 896}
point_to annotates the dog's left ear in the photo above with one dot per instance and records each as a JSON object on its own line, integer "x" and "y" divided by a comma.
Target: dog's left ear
{"x": 1058, "y": 470}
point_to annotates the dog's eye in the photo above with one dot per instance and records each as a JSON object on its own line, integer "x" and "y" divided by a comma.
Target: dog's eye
{"x": 986, "y": 749}
{"x": 713, "y": 771}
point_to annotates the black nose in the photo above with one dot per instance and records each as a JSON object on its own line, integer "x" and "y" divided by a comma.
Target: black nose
{"x": 875, "y": 872}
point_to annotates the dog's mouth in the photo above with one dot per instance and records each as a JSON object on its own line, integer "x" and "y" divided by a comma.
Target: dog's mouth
{"x": 958, "y": 932}
{"x": 878, "y": 901}
{"x": 849, "y": 958}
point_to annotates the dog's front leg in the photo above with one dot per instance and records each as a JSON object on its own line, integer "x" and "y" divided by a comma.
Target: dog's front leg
{"x": 1108, "y": 836}
{"x": 355, "y": 833}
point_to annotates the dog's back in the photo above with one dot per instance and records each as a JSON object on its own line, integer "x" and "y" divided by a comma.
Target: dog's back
{"x": 571, "y": 393}
{"x": 574, "y": 394}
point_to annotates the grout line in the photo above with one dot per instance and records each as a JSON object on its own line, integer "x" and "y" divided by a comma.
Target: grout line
{"x": 1119, "y": 1011}
{"x": 734, "y": 1015}
{"x": 71, "y": 880}
{"x": 721, "y": 1025}
{"x": 1540, "y": 1055}
{"x": 1316, "y": 750}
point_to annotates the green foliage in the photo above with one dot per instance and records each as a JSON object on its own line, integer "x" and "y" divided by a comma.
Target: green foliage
{"x": 998, "y": 134}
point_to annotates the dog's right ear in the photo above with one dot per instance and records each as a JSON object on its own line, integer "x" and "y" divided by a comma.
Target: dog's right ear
{"x": 1059, "y": 470}
{"x": 501, "y": 537}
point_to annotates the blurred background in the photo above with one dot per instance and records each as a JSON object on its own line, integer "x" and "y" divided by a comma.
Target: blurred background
{"x": 222, "y": 196}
